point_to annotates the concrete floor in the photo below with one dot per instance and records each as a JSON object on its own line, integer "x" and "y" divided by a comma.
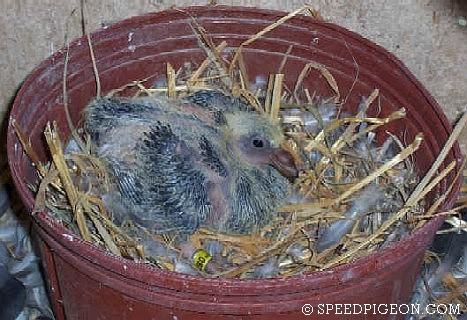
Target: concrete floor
{"x": 427, "y": 35}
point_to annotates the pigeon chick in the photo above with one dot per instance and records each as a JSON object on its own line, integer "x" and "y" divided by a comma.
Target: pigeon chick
{"x": 179, "y": 163}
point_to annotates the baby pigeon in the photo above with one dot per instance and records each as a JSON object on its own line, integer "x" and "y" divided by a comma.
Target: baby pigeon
{"x": 206, "y": 159}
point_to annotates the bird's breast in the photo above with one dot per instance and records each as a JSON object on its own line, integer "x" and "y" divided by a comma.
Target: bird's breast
{"x": 220, "y": 209}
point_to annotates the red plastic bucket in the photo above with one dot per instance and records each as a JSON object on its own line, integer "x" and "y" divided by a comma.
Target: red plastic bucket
{"x": 89, "y": 283}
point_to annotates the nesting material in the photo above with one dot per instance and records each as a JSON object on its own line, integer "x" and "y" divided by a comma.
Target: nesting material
{"x": 22, "y": 290}
{"x": 353, "y": 196}
{"x": 444, "y": 272}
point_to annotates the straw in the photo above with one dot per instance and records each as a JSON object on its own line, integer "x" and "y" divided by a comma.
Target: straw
{"x": 276, "y": 96}
{"x": 28, "y": 149}
{"x": 171, "y": 91}
{"x": 54, "y": 143}
{"x": 261, "y": 33}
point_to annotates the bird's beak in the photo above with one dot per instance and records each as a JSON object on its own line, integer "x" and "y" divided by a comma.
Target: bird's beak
{"x": 284, "y": 162}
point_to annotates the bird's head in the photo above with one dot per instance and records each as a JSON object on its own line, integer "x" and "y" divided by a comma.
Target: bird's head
{"x": 259, "y": 141}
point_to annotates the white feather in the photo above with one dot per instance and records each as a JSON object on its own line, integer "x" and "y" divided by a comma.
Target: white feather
{"x": 368, "y": 198}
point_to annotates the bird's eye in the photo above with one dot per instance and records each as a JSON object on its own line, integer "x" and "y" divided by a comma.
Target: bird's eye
{"x": 258, "y": 143}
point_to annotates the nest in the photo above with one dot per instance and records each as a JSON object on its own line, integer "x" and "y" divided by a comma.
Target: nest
{"x": 287, "y": 246}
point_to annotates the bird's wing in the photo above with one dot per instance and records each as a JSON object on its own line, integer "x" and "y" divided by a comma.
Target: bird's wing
{"x": 171, "y": 181}
{"x": 128, "y": 183}
{"x": 105, "y": 114}
{"x": 210, "y": 157}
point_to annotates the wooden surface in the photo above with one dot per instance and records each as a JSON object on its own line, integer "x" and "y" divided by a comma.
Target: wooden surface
{"x": 425, "y": 35}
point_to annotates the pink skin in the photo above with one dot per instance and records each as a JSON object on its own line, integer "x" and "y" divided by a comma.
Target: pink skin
{"x": 276, "y": 157}
{"x": 220, "y": 209}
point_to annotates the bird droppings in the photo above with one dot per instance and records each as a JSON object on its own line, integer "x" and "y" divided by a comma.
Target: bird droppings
{"x": 67, "y": 236}
{"x": 131, "y": 48}
{"x": 207, "y": 174}
{"x": 462, "y": 21}
{"x": 130, "y": 36}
